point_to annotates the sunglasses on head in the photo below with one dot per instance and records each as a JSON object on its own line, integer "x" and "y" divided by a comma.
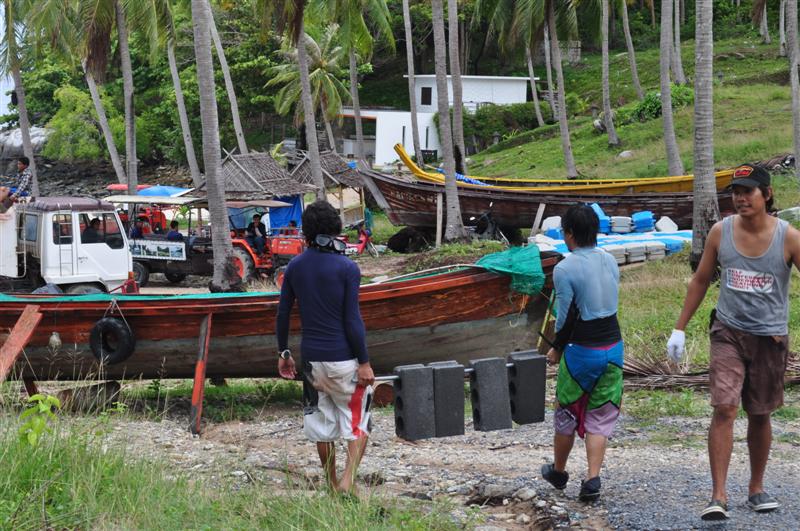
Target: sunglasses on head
{"x": 324, "y": 241}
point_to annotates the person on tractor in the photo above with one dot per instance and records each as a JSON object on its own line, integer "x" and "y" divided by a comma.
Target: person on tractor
{"x": 91, "y": 234}
{"x": 257, "y": 234}
{"x": 174, "y": 235}
{"x": 137, "y": 231}
{"x": 290, "y": 229}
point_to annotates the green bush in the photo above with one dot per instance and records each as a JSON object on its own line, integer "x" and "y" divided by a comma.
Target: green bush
{"x": 650, "y": 107}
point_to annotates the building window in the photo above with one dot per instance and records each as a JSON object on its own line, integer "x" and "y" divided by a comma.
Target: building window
{"x": 426, "y": 96}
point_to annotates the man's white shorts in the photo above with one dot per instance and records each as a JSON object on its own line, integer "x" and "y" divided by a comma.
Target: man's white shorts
{"x": 342, "y": 408}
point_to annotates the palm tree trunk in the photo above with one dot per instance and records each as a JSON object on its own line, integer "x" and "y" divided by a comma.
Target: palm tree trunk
{"x": 764, "y": 28}
{"x": 225, "y": 277}
{"x": 551, "y": 98}
{"x": 308, "y": 116}
{"x": 782, "y": 30}
{"x": 674, "y": 163}
{"x": 608, "y": 117}
{"x": 412, "y": 96}
{"x": 631, "y": 52}
{"x": 529, "y": 60}
{"x": 794, "y": 78}
{"x": 127, "y": 90}
{"x": 458, "y": 98}
{"x": 329, "y": 131}
{"x": 226, "y": 75}
{"x": 677, "y": 60}
{"x": 356, "y": 107}
{"x": 566, "y": 145}
{"x": 706, "y": 209}
{"x": 454, "y": 228}
{"x": 653, "y": 13}
{"x": 188, "y": 143}
{"x": 24, "y": 125}
{"x": 102, "y": 120}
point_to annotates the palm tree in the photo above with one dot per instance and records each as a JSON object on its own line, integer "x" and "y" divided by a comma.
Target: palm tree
{"x": 532, "y": 76}
{"x": 127, "y": 90}
{"x": 11, "y": 63}
{"x": 674, "y": 163}
{"x": 566, "y": 144}
{"x": 412, "y": 97}
{"x": 290, "y": 13}
{"x": 551, "y": 96}
{"x": 794, "y": 79}
{"x": 760, "y": 7}
{"x": 782, "y": 29}
{"x": 226, "y": 75}
{"x": 608, "y": 118}
{"x": 328, "y": 92}
{"x": 631, "y": 52}
{"x": 706, "y": 209}
{"x": 224, "y": 271}
{"x": 454, "y": 228}
{"x": 677, "y": 60}
{"x": 455, "y": 81}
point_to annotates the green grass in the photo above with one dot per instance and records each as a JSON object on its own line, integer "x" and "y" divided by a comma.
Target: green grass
{"x": 77, "y": 478}
{"x": 752, "y": 118}
{"x": 652, "y": 405}
{"x": 452, "y": 253}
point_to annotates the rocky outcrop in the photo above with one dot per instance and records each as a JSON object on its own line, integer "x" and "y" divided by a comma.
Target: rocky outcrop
{"x": 11, "y": 142}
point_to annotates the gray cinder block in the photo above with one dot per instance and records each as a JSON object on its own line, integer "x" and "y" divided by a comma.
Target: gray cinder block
{"x": 448, "y": 397}
{"x": 491, "y": 407}
{"x": 526, "y": 386}
{"x": 413, "y": 402}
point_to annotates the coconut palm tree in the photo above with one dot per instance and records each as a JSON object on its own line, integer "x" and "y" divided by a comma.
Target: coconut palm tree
{"x": 11, "y": 63}
{"x": 412, "y": 97}
{"x": 631, "y": 52}
{"x": 760, "y": 18}
{"x": 455, "y": 81}
{"x": 532, "y": 76}
{"x": 608, "y": 117}
{"x": 566, "y": 144}
{"x": 127, "y": 92}
{"x": 677, "y": 60}
{"x": 226, "y": 75}
{"x": 706, "y": 209}
{"x": 551, "y": 95}
{"x": 674, "y": 163}
{"x": 794, "y": 79}
{"x": 454, "y": 228}
{"x": 224, "y": 278}
{"x": 782, "y": 29}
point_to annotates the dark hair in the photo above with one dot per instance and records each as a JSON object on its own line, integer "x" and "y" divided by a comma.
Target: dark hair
{"x": 25, "y": 160}
{"x": 582, "y": 223}
{"x": 256, "y": 215}
{"x": 320, "y": 218}
{"x": 94, "y": 220}
{"x": 292, "y": 223}
{"x": 173, "y": 224}
{"x": 765, "y": 191}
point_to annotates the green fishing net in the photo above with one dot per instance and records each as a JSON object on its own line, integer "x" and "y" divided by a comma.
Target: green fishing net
{"x": 524, "y": 264}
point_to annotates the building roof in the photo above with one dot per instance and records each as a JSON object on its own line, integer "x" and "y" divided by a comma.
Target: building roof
{"x": 256, "y": 176}
{"x": 488, "y": 78}
{"x": 79, "y": 204}
{"x": 335, "y": 170}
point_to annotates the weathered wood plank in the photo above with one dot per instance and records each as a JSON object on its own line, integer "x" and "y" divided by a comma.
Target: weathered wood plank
{"x": 198, "y": 391}
{"x": 18, "y": 339}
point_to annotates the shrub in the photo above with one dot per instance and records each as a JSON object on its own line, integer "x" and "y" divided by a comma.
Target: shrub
{"x": 650, "y": 107}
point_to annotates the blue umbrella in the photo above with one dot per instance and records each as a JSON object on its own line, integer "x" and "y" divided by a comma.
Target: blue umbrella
{"x": 162, "y": 190}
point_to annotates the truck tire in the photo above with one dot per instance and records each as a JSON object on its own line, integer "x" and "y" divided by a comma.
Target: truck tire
{"x": 82, "y": 289}
{"x": 244, "y": 263}
{"x": 141, "y": 273}
{"x": 175, "y": 278}
{"x": 111, "y": 341}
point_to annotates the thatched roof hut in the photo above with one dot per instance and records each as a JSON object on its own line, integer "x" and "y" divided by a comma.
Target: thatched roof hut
{"x": 335, "y": 171}
{"x": 257, "y": 176}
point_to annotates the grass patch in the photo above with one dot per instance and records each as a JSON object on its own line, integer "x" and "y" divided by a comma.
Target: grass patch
{"x": 787, "y": 413}
{"x": 452, "y": 253}
{"x": 652, "y": 405}
{"x": 74, "y": 479}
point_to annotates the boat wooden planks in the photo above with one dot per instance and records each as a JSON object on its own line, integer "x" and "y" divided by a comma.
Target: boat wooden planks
{"x": 18, "y": 338}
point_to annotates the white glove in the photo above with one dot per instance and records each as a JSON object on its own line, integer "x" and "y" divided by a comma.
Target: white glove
{"x": 676, "y": 345}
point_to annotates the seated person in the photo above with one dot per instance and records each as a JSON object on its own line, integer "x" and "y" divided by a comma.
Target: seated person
{"x": 173, "y": 235}
{"x": 257, "y": 234}
{"x": 137, "y": 231}
{"x": 91, "y": 234}
{"x": 291, "y": 229}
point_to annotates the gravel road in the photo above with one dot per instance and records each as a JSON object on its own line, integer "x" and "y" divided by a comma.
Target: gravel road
{"x": 655, "y": 476}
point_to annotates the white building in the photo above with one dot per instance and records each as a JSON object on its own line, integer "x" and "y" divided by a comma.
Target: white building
{"x": 394, "y": 127}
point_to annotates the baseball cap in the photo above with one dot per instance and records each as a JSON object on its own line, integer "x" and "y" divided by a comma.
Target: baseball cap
{"x": 750, "y": 175}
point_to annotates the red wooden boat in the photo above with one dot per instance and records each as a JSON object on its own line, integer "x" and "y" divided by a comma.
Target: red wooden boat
{"x": 462, "y": 314}
{"x": 414, "y": 203}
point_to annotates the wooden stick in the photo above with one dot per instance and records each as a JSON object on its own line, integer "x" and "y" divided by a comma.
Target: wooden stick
{"x": 198, "y": 391}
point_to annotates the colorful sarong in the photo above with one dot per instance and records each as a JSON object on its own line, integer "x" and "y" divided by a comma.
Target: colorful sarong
{"x": 589, "y": 389}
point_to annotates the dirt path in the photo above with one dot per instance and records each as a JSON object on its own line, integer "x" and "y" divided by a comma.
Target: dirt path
{"x": 655, "y": 477}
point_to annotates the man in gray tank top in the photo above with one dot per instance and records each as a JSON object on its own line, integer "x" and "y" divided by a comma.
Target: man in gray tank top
{"x": 749, "y": 341}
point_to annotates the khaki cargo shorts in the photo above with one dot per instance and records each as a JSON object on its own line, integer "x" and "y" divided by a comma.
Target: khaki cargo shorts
{"x": 747, "y": 367}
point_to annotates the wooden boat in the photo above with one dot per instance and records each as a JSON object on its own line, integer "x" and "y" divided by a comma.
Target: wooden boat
{"x": 462, "y": 314}
{"x": 414, "y": 203}
{"x": 682, "y": 183}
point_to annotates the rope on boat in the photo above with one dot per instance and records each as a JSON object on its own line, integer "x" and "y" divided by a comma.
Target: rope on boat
{"x": 115, "y": 305}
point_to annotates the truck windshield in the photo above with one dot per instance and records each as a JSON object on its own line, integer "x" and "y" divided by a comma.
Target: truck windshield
{"x": 100, "y": 227}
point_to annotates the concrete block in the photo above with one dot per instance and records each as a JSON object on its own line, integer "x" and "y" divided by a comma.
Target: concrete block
{"x": 413, "y": 402}
{"x": 491, "y": 406}
{"x": 526, "y": 386}
{"x": 448, "y": 397}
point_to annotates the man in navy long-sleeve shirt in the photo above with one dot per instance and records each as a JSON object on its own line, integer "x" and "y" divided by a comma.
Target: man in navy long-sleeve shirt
{"x": 325, "y": 284}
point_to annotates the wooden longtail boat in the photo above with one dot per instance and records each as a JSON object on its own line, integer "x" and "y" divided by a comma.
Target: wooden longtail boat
{"x": 681, "y": 183}
{"x": 463, "y": 314}
{"x": 414, "y": 203}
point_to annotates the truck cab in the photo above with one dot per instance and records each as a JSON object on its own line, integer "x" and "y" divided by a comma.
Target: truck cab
{"x": 75, "y": 243}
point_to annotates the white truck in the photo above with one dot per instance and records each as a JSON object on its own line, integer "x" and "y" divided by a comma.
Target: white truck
{"x": 78, "y": 244}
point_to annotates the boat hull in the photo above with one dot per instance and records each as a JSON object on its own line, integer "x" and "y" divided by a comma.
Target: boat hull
{"x": 462, "y": 315}
{"x": 414, "y": 203}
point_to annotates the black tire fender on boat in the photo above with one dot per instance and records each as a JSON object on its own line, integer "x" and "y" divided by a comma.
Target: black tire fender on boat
{"x": 112, "y": 341}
